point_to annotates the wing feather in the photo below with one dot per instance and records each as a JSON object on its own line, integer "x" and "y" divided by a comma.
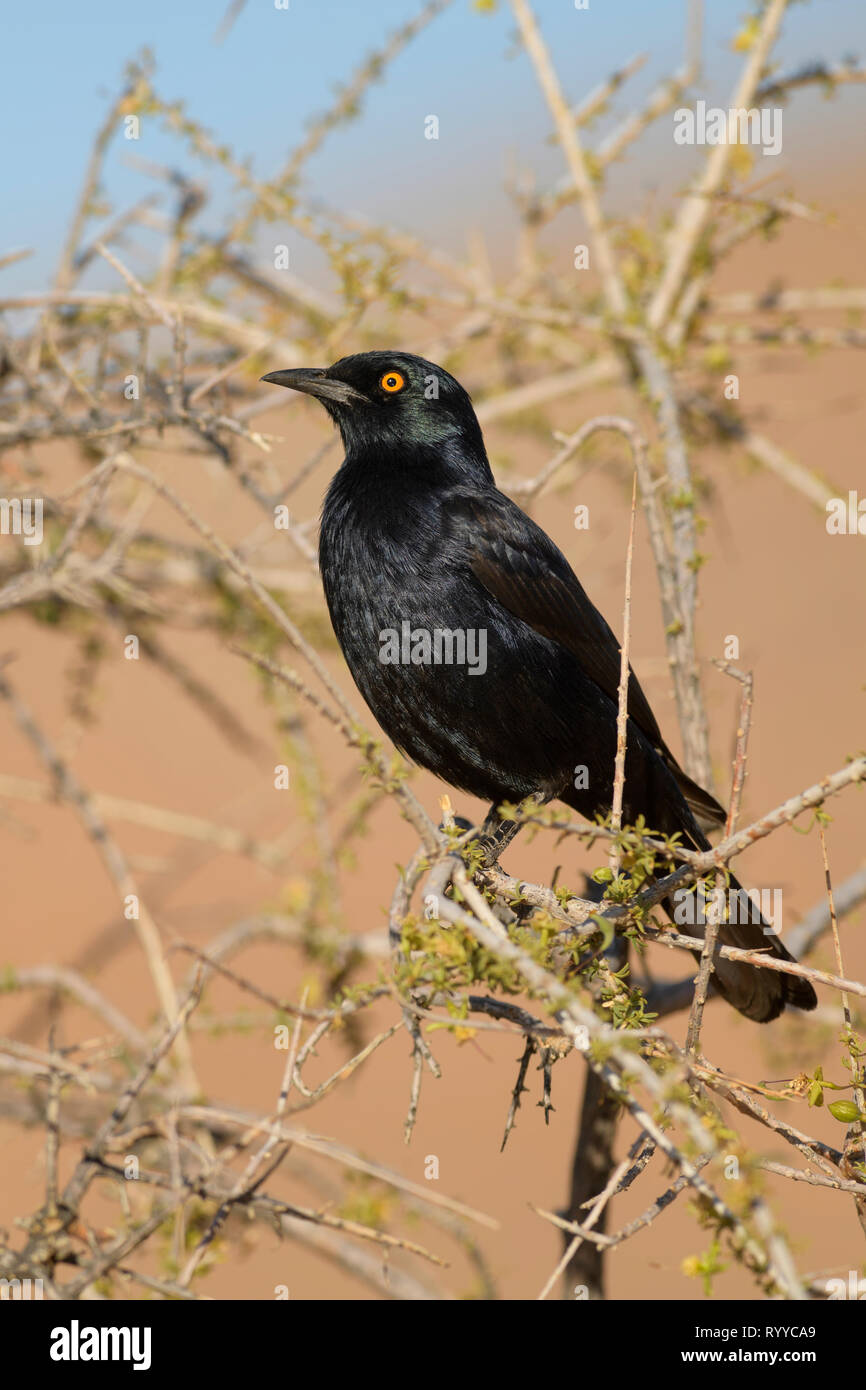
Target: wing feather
{"x": 521, "y": 568}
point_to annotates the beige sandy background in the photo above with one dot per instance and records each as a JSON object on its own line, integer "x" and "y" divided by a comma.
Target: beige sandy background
{"x": 796, "y": 599}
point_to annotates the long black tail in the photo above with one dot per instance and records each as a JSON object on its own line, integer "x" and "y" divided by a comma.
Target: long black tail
{"x": 757, "y": 993}
{"x": 657, "y": 789}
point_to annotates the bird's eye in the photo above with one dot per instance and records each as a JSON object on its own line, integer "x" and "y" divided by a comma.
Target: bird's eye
{"x": 392, "y": 382}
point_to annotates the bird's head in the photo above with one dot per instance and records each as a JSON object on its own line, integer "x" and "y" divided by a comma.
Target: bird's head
{"x": 392, "y": 399}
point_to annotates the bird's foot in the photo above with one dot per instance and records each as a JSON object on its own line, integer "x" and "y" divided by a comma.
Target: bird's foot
{"x": 491, "y": 837}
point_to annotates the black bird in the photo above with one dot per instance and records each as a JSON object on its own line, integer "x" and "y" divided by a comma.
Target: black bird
{"x": 416, "y": 540}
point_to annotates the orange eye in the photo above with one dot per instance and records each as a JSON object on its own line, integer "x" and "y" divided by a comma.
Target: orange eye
{"x": 392, "y": 382}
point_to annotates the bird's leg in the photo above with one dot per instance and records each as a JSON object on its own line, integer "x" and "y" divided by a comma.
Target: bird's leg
{"x": 496, "y": 833}
{"x": 495, "y": 836}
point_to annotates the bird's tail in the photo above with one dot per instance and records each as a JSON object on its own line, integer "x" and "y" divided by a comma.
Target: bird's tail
{"x": 758, "y": 993}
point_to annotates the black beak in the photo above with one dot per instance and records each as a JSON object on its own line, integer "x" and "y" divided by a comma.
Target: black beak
{"x": 314, "y": 381}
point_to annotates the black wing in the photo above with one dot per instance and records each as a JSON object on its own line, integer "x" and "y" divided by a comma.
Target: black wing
{"x": 519, "y": 565}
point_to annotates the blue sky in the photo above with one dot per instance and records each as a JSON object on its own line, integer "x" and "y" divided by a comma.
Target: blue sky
{"x": 257, "y": 89}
